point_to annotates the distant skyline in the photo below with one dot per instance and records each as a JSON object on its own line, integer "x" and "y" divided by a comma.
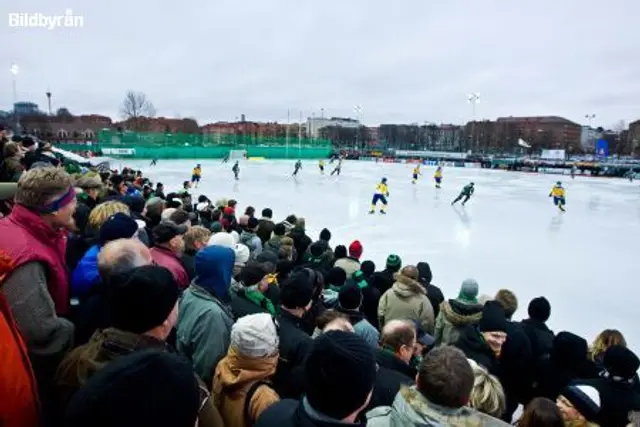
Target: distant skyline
{"x": 405, "y": 62}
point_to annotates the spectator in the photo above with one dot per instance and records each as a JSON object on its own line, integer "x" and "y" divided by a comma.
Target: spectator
{"x": 444, "y": 383}
{"x": 540, "y": 336}
{"x": 340, "y": 373}
{"x": 295, "y": 300}
{"x": 433, "y": 292}
{"x": 242, "y": 258}
{"x": 331, "y": 320}
{"x": 12, "y": 167}
{"x": 181, "y": 217}
{"x": 300, "y": 239}
{"x": 152, "y": 215}
{"x": 456, "y": 314}
{"x": 397, "y": 343}
{"x": 37, "y": 290}
{"x": 85, "y": 277}
{"x": 195, "y": 239}
{"x": 249, "y": 295}
{"x": 483, "y": 343}
{"x": 604, "y": 340}
{"x": 7, "y": 193}
{"x": 90, "y": 187}
{"x": 351, "y": 264}
{"x": 101, "y": 213}
{"x": 617, "y": 386}
{"x": 20, "y": 405}
{"x": 159, "y": 192}
{"x": 370, "y": 294}
{"x": 541, "y": 412}
{"x": 169, "y": 247}
{"x": 334, "y": 281}
{"x": 487, "y": 395}
{"x": 117, "y": 257}
{"x": 580, "y": 406}
{"x": 151, "y": 388}
{"x": 406, "y": 300}
{"x": 340, "y": 252}
{"x": 117, "y": 186}
{"x": 349, "y": 304}
{"x": 383, "y": 280}
{"x": 325, "y": 237}
{"x": 88, "y": 191}
{"x": 265, "y": 226}
{"x": 250, "y": 211}
{"x": 241, "y": 385}
{"x": 222, "y": 239}
{"x": 249, "y": 238}
{"x": 204, "y": 324}
{"x": 289, "y": 223}
{"x": 273, "y": 244}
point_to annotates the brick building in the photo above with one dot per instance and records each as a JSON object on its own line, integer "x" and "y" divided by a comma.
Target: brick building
{"x": 252, "y": 129}
{"x": 72, "y": 128}
{"x": 550, "y": 132}
{"x": 633, "y": 137}
{"x": 159, "y": 125}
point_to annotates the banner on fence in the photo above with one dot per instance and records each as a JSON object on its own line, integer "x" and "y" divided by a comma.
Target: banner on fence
{"x": 553, "y": 154}
{"x": 119, "y": 151}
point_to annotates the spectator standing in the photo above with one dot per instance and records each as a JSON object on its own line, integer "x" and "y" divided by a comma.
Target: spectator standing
{"x": 397, "y": 343}
{"x": 383, "y": 280}
{"x": 301, "y": 241}
{"x": 204, "y": 324}
{"x": 249, "y": 294}
{"x": 351, "y": 264}
{"x": 456, "y": 314}
{"x": 433, "y": 292}
{"x": 349, "y": 304}
{"x": 274, "y": 242}
{"x": 604, "y": 340}
{"x": 541, "y": 412}
{"x": 487, "y": 394}
{"x": 370, "y": 294}
{"x": 195, "y": 239}
{"x": 265, "y": 225}
{"x": 580, "y": 407}
{"x": 241, "y": 388}
{"x": 406, "y": 299}
{"x": 249, "y": 238}
{"x": 169, "y": 247}
{"x": 540, "y": 336}
{"x": 11, "y": 167}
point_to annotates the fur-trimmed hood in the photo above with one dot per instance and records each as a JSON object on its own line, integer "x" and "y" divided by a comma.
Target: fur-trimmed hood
{"x": 460, "y": 314}
{"x": 406, "y": 287}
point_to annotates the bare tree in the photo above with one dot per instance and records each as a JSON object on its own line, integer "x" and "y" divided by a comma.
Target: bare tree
{"x": 135, "y": 107}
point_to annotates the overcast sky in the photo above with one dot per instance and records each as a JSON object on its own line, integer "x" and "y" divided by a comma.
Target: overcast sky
{"x": 403, "y": 61}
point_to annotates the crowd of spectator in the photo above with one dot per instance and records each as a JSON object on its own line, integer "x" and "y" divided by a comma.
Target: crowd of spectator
{"x": 121, "y": 305}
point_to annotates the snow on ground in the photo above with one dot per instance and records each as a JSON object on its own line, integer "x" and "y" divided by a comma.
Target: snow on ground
{"x": 508, "y": 236}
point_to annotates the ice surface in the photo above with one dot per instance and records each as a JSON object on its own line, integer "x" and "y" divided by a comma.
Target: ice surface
{"x": 508, "y": 236}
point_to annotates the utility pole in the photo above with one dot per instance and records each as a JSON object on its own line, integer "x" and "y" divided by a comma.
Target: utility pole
{"x": 49, "y": 100}
{"x": 473, "y": 99}
{"x": 14, "y": 71}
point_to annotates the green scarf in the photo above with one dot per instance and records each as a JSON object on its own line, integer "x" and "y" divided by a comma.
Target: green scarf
{"x": 259, "y": 299}
{"x": 358, "y": 276}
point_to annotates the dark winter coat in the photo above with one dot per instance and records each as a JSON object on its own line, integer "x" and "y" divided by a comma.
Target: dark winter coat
{"x": 453, "y": 318}
{"x": 383, "y": 280}
{"x": 370, "y": 298}
{"x": 300, "y": 241}
{"x": 516, "y": 368}
{"x": 617, "y": 399}
{"x": 295, "y": 345}
{"x": 242, "y": 306}
{"x": 386, "y": 359}
{"x": 293, "y": 413}
{"x": 265, "y": 228}
{"x": 474, "y": 347}
{"x": 189, "y": 262}
{"x": 433, "y": 292}
{"x": 540, "y": 337}
{"x": 387, "y": 385}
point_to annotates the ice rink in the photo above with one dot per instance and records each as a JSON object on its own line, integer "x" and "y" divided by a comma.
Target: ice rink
{"x": 586, "y": 261}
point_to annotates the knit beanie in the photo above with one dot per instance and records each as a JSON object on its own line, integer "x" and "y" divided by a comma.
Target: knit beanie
{"x": 368, "y": 268}
{"x": 539, "y": 309}
{"x": 279, "y": 229}
{"x": 355, "y": 249}
{"x": 394, "y": 262}
{"x": 297, "y": 290}
{"x": 494, "y": 319}
{"x": 216, "y": 227}
{"x": 144, "y": 388}
{"x": 142, "y": 298}
{"x": 117, "y": 226}
{"x": 316, "y": 249}
{"x": 255, "y": 335}
{"x": 325, "y": 235}
{"x": 242, "y": 253}
{"x": 340, "y": 373}
{"x": 621, "y": 363}
{"x": 469, "y": 291}
{"x": 585, "y": 399}
{"x": 340, "y": 252}
{"x": 252, "y": 275}
{"x": 222, "y": 239}
{"x": 335, "y": 277}
{"x": 350, "y": 297}
{"x": 424, "y": 271}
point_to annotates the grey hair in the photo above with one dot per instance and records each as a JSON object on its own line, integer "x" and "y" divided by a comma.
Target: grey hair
{"x": 120, "y": 256}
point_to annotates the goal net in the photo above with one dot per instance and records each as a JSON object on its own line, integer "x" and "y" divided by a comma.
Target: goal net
{"x": 238, "y": 154}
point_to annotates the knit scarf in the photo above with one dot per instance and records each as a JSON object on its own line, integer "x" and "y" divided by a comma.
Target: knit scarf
{"x": 259, "y": 299}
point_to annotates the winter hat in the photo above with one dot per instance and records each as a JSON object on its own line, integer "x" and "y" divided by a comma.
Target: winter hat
{"x": 142, "y": 298}
{"x": 243, "y": 220}
{"x": 424, "y": 270}
{"x": 368, "y": 268}
{"x": 222, "y": 239}
{"x": 621, "y": 363}
{"x": 297, "y": 290}
{"x": 350, "y": 297}
{"x": 279, "y": 229}
{"x": 267, "y": 256}
{"x": 167, "y": 230}
{"x": 228, "y": 210}
{"x": 585, "y": 398}
{"x": 340, "y": 252}
{"x": 468, "y": 291}
{"x": 202, "y": 206}
{"x": 267, "y": 213}
{"x": 493, "y": 318}
{"x": 394, "y": 262}
{"x": 147, "y": 387}
{"x": 325, "y": 235}
{"x": 336, "y": 277}
{"x": 340, "y": 373}
{"x": 117, "y": 226}
{"x": 216, "y": 227}
{"x": 252, "y": 275}
{"x": 539, "y": 309}
{"x": 355, "y": 249}
{"x": 316, "y": 249}
{"x": 242, "y": 254}
{"x": 255, "y": 335}
{"x": 253, "y": 223}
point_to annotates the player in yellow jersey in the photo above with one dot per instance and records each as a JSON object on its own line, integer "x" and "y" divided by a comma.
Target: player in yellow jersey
{"x": 381, "y": 194}
{"x": 438, "y": 176}
{"x": 321, "y": 166}
{"x": 195, "y": 175}
{"x": 557, "y": 192}
{"x": 416, "y": 173}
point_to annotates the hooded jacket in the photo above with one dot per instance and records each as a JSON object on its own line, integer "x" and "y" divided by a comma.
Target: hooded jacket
{"x": 265, "y": 228}
{"x": 86, "y": 275}
{"x": 454, "y": 316}
{"x": 411, "y": 408}
{"x": 361, "y": 326}
{"x": 349, "y": 264}
{"x": 205, "y": 319}
{"x": 235, "y": 375}
{"x": 253, "y": 242}
{"x": 406, "y": 300}
{"x": 474, "y": 347}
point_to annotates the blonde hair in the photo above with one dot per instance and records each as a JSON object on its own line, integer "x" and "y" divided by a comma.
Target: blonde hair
{"x": 103, "y": 211}
{"x": 508, "y": 301}
{"x": 39, "y": 186}
{"x": 487, "y": 394}
{"x": 195, "y": 234}
{"x": 604, "y": 340}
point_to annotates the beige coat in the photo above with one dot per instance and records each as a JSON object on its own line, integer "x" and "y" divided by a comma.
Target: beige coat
{"x": 406, "y": 300}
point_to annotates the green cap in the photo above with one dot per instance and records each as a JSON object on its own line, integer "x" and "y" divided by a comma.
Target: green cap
{"x": 394, "y": 261}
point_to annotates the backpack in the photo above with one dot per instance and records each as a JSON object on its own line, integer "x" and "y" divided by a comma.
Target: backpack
{"x": 247, "y": 400}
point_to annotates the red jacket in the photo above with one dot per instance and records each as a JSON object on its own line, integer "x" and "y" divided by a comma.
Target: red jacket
{"x": 19, "y": 405}
{"x": 27, "y": 238}
{"x": 168, "y": 259}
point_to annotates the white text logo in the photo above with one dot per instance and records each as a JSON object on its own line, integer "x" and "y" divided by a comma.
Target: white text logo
{"x": 50, "y": 22}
